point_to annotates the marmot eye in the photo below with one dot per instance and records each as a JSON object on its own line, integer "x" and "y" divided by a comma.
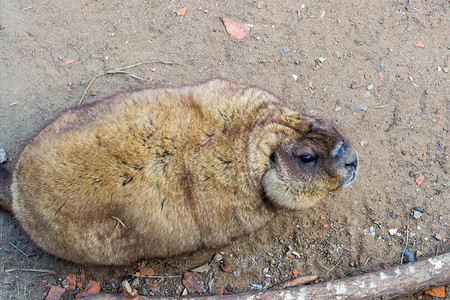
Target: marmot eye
{"x": 307, "y": 159}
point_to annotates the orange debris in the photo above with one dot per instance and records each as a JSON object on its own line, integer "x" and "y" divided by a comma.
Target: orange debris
{"x": 236, "y": 30}
{"x": 181, "y": 11}
{"x": 436, "y": 292}
{"x": 420, "y": 180}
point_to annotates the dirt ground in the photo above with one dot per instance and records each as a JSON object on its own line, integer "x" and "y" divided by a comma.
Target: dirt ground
{"x": 395, "y": 55}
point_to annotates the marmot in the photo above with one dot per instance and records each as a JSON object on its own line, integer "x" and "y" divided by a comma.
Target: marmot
{"x": 158, "y": 172}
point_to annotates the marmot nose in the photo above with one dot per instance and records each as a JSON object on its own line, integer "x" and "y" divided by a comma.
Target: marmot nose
{"x": 346, "y": 161}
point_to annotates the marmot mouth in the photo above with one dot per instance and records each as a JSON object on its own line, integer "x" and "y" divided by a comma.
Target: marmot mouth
{"x": 348, "y": 180}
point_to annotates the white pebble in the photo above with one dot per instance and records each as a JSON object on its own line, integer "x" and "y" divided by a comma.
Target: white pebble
{"x": 393, "y": 231}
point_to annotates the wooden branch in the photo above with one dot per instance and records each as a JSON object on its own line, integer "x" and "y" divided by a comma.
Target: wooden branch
{"x": 395, "y": 281}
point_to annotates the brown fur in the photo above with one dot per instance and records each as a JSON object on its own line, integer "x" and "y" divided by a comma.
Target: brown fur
{"x": 181, "y": 168}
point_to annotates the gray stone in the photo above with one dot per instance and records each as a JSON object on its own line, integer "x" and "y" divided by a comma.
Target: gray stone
{"x": 3, "y": 156}
{"x": 361, "y": 107}
{"x": 286, "y": 50}
{"x": 417, "y": 214}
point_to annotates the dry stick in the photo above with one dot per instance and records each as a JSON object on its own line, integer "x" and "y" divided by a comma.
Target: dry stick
{"x": 122, "y": 71}
{"x": 395, "y": 281}
{"x": 395, "y": 118}
{"x": 158, "y": 276}
{"x": 406, "y": 241}
{"x": 335, "y": 265}
{"x": 31, "y": 270}
{"x": 19, "y": 249}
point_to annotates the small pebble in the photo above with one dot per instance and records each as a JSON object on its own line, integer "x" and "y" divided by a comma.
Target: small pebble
{"x": 441, "y": 145}
{"x": 257, "y": 286}
{"x": 266, "y": 270}
{"x": 237, "y": 272}
{"x": 393, "y": 231}
{"x": 356, "y": 85}
{"x": 135, "y": 282}
{"x": 372, "y": 231}
{"x": 427, "y": 91}
{"x": 438, "y": 237}
{"x": 445, "y": 70}
{"x": 361, "y": 107}
{"x": 438, "y": 69}
{"x": 82, "y": 82}
{"x": 2, "y": 156}
{"x": 295, "y": 77}
{"x": 65, "y": 283}
{"x": 417, "y": 214}
{"x": 391, "y": 214}
{"x": 322, "y": 59}
{"x": 421, "y": 208}
{"x": 286, "y": 50}
{"x": 382, "y": 65}
{"x": 409, "y": 256}
{"x": 369, "y": 87}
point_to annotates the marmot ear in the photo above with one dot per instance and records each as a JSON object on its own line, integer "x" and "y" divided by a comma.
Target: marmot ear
{"x": 296, "y": 120}
{"x": 268, "y": 144}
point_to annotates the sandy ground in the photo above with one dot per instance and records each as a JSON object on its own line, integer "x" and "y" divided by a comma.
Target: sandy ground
{"x": 396, "y": 51}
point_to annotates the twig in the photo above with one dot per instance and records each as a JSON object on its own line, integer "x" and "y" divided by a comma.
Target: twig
{"x": 395, "y": 113}
{"x": 18, "y": 249}
{"x": 335, "y": 265}
{"x": 367, "y": 260}
{"x": 119, "y": 222}
{"x": 122, "y": 71}
{"x": 31, "y": 270}
{"x": 157, "y": 276}
{"x": 406, "y": 241}
{"x": 379, "y": 106}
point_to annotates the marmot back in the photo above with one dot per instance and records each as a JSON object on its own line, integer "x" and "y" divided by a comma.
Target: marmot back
{"x": 165, "y": 171}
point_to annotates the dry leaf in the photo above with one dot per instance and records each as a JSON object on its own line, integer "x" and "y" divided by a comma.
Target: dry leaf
{"x": 437, "y": 292}
{"x": 236, "y": 30}
{"x": 202, "y": 269}
{"x": 72, "y": 279}
{"x": 193, "y": 283}
{"x": 92, "y": 288}
{"x": 82, "y": 275}
{"x": 55, "y": 293}
{"x": 146, "y": 271}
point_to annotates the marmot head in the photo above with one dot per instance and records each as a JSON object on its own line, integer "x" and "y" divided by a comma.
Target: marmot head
{"x": 307, "y": 159}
